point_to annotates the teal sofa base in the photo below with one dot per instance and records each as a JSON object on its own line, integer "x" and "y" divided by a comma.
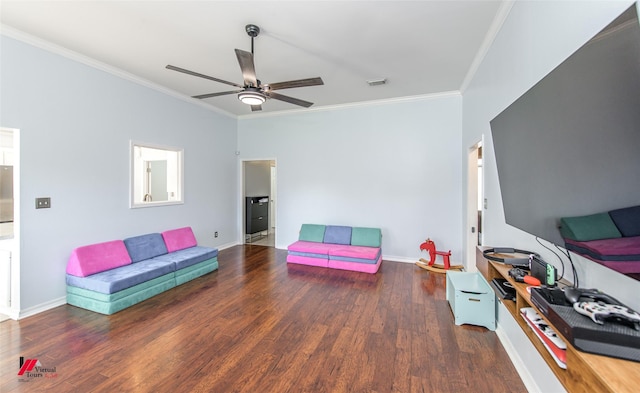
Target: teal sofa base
{"x": 197, "y": 270}
{"x": 101, "y": 303}
{"x": 111, "y": 303}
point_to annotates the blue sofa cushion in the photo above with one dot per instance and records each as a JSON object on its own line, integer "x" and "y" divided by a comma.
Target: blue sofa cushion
{"x": 627, "y": 220}
{"x": 145, "y": 247}
{"x": 189, "y": 256}
{"x": 336, "y": 234}
{"x": 123, "y": 277}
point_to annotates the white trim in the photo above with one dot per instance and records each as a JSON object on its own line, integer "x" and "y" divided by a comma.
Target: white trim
{"x": 495, "y": 27}
{"x": 385, "y": 101}
{"x": 13, "y": 310}
{"x": 228, "y": 245}
{"x": 519, "y": 364}
{"x": 180, "y": 174}
{"x": 395, "y": 258}
{"x": 42, "y": 307}
{"x": 75, "y": 56}
{"x": 9, "y": 312}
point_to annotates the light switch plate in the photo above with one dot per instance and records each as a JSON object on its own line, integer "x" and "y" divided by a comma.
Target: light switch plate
{"x": 43, "y": 203}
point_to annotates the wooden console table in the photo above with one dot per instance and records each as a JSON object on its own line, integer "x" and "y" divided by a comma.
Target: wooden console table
{"x": 585, "y": 372}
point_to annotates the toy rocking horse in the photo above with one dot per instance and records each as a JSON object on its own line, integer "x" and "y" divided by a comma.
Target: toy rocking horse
{"x": 430, "y": 265}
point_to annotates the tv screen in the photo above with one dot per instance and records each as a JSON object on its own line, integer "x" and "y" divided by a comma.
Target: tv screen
{"x": 570, "y": 146}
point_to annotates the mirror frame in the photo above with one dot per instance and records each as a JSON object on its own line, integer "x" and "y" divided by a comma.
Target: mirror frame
{"x": 133, "y": 179}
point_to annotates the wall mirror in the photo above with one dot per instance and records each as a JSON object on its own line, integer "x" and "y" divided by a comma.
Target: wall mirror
{"x": 156, "y": 175}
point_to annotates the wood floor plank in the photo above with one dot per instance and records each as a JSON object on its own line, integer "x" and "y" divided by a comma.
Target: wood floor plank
{"x": 258, "y": 324}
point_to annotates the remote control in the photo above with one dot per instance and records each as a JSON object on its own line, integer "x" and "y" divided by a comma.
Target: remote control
{"x": 530, "y": 314}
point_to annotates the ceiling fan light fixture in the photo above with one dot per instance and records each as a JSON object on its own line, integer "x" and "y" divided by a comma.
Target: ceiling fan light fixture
{"x": 252, "y": 97}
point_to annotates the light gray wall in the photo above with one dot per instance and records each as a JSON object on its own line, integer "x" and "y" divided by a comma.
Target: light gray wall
{"x": 75, "y": 123}
{"x": 534, "y": 39}
{"x": 396, "y": 166}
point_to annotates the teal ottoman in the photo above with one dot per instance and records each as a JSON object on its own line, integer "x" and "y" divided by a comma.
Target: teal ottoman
{"x": 471, "y": 299}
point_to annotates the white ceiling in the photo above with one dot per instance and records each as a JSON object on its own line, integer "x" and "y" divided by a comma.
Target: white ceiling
{"x": 420, "y": 47}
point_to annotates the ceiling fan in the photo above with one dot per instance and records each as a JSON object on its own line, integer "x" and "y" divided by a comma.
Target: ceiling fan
{"x": 253, "y": 92}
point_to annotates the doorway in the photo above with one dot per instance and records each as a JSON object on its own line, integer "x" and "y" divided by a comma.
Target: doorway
{"x": 259, "y": 189}
{"x": 9, "y": 223}
{"x": 475, "y": 202}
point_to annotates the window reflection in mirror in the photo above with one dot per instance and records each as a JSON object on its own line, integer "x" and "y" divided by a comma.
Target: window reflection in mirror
{"x": 156, "y": 175}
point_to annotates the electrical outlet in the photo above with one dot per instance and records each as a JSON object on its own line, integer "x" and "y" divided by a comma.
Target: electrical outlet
{"x": 215, "y": 234}
{"x": 43, "y": 203}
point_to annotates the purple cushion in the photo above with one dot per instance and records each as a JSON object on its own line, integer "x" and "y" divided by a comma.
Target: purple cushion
{"x": 335, "y": 234}
{"x": 145, "y": 246}
{"x": 189, "y": 256}
{"x": 618, "y": 249}
{"x": 96, "y": 258}
{"x": 627, "y": 220}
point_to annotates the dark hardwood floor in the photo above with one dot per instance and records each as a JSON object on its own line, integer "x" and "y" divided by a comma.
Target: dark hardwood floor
{"x": 261, "y": 325}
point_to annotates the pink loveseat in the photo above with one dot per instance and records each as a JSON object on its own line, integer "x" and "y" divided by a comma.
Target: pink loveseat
{"x": 338, "y": 247}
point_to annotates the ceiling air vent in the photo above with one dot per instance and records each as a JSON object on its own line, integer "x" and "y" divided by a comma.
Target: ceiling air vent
{"x": 377, "y": 82}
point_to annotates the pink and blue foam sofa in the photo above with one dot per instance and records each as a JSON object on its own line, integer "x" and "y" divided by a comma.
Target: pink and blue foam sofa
{"x": 611, "y": 238}
{"x": 338, "y": 247}
{"x": 111, "y": 276}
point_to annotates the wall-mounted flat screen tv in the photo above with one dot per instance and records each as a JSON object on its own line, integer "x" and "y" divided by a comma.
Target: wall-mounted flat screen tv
{"x": 570, "y": 146}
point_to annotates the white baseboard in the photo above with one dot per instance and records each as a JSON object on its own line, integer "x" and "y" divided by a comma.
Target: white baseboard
{"x": 42, "y": 307}
{"x": 9, "y": 312}
{"x": 393, "y": 258}
{"x": 227, "y": 245}
{"x": 518, "y": 363}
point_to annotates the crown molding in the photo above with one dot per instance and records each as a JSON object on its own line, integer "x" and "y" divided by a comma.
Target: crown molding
{"x": 492, "y": 33}
{"x": 359, "y": 104}
{"x": 75, "y": 56}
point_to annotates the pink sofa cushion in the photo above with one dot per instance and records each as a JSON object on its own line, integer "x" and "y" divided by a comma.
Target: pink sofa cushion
{"x": 96, "y": 258}
{"x": 359, "y": 252}
{"x": 302, "y": 246}
{"x": 179, "y": 239}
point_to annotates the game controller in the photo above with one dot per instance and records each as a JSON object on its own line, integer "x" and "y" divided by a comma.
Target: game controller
{"x": 520, "y": 275}
{"x": 600, "y": 312}
{"x": 517, "y": 274}
{"x": 574, "y": 295}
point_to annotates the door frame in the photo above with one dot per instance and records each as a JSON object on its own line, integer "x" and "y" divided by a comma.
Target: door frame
{"x": 13, "y": 311}
{"x": 241, "y": 197}
{"x": 475, "y": 193}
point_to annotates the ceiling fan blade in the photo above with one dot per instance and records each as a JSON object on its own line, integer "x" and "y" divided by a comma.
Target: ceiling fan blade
{"x": 184, "y": 71}
{"x": 297, "y": 83}
{"x": 222, "y": 93}
{"x": 255, "y": 108}
{"x": 245, "y": 59}
{"x": 291, "y": 100}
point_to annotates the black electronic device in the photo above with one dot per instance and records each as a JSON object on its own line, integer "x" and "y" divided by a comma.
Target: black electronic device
{"x": 507, "y": 255}
{"x": 517, "y": 274}
{"x": 612, "y": 338}
{"x": 504, "y": 289}
{"x": 543, "y": 271}
{"x": 575, "y": 295}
